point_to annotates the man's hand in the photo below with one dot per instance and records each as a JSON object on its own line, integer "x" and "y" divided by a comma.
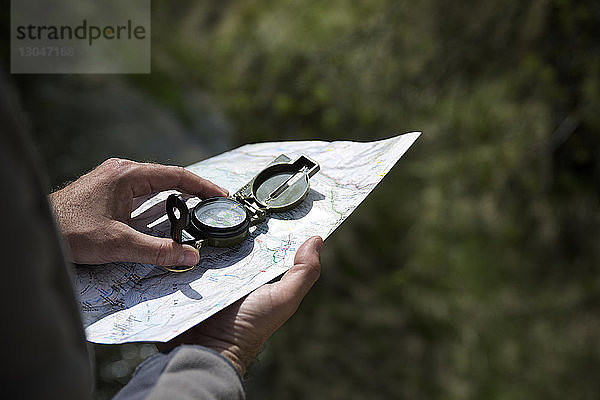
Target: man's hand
{"x": 93, "y": 213}
{"x": 239, "y": 331}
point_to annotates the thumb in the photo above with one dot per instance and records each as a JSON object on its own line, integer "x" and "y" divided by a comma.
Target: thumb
{"x": 146, "y": 249}
{"x": 298, "y": 280}
{"x": 309, "y": 252}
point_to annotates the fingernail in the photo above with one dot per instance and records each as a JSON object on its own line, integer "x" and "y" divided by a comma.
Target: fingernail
{"x": 318, "y": 244}
{"x": 189, "y": 257}
{"x": 225, "y": 191}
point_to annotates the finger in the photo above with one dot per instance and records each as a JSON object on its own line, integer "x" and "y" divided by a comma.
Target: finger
{"x": 153, "y": 178}
{"x": 135, "y": 246}
{"x": 298, "y": 280}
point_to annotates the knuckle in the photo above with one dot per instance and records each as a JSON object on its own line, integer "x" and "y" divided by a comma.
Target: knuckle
{"x": 180, "y": 172}
{"x": 109, "y": 236}
{"x": 112, "y": 240}
{"x": 117, "y": 166}
{"x": 162, "y": 254}
{"x": 112, "y": 162}
{"x": 311, "y": 271}
{"x": 314, "y": 271}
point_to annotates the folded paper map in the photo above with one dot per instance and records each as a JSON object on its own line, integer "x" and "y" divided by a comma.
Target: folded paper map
{"x": 131, "y": 302}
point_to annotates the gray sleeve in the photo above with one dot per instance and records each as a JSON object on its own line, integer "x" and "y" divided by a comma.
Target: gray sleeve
{"x": 187, "y": 372}
{"x": 43, "y": 345}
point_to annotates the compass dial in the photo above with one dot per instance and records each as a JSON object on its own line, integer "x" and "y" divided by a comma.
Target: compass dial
{"x": 221, "y": 213}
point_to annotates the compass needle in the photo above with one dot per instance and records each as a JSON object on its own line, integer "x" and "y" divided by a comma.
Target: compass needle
{"x": 288, "y": 183}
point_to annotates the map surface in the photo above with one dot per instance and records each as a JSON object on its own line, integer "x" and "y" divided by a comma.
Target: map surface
{"x": 130, "y": 302}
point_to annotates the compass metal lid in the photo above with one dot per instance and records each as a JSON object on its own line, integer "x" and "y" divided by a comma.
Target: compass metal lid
{"x": 282, "y": 186}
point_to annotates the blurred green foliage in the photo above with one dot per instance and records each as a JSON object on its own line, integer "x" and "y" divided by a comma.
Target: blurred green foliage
{"x": 472, "y": 271}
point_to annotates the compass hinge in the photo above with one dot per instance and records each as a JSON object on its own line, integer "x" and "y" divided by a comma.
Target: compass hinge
{"x": 256, "y": 211}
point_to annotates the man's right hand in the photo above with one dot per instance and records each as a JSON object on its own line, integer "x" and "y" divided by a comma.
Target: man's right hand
{"x": 94, "y": 211}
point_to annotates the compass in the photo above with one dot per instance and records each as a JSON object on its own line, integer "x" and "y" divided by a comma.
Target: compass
{"x": 225, "y": 221}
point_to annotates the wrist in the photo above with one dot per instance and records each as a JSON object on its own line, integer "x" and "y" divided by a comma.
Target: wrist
{"x": 239, "y": 358}
{"x": 233, "y": 358}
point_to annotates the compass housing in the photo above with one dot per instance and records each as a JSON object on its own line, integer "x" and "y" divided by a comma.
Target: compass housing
{"x": 221, "y": 221}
